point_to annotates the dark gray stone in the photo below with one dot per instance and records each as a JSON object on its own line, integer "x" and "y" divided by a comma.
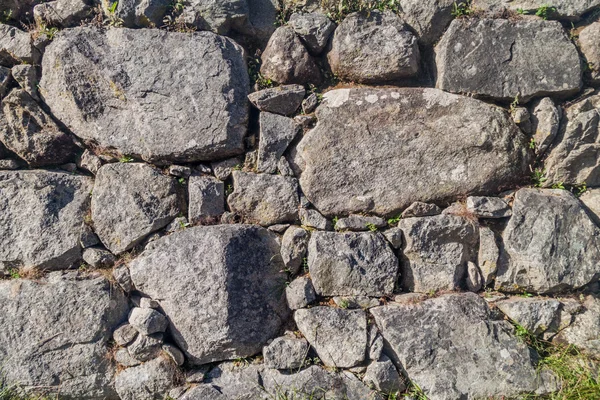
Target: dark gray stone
{"x": 428, "y": 18}
{"x": 383, "y": 376}
{"x": 488, "y": 207}
{"x": 124, "y": 335}
{"x": 314, "y": 30}
{"x": 219, "y": 16}
{"x": 145, "y": 348}
{"x": 300, "y": 293}
{"x": 136, "y": 13}
{"x": 148, "y": 381}
{"x": 206, "y": 198}
{"x": 276, "y": 133}
{"x": 283, "y": 100}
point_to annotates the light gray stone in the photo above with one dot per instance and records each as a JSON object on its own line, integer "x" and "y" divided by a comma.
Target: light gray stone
{"x": 314, "y": 30}
{"x": 394, "y": 237}
{"x": 16, "y": 47}
{"x": 220, "y": 286}
{"x": 28, "y": 78}
{"x": 180, "y": 171}
{"x": 591, "y": 201}
{"x": 283, "y": 166}
{"x": 146, "y": 302}
{"x": 474, "y": 279}
{"x": 276, "y": 133}
{"x": 148, "y": 381}
{"x": 264, "y": 199}
{"x": 420, "y": 209}
{"x": 286, "y": 353}
{"x": 145, "y": 348}
{"x": 286, "y": 60}
{"x": 300, "y": 293}
{"x": 356, "y": 222}
{"x": 124, "y": 334}
{"x": 338, "y": 336}
{"x": 28, "y": 236}
{"x": 237, "y": 380}
{"x": 564, "y": 9}
{"x": 293, "y": 248}
{"x": 550, "y": 244}
{"x": 206, "y": 198}
{"x": 588, "y": 38}
{"x": 545, "y": 122}
{"x": 222, "y": 169}
{"x": 5, "y": 80}
{"x": 202, "y": 392}
{"x": 9, "y": 164}
{"x": 135, "y": 110}
{"x": 55, "y": 332}
{"x": 283, "y": 100}
{"x": 428, "y": 18}
{"x": 375, "y": 343}
{"x": 219, "y": 16}
{"x": 391, "y": 167}
{"x": 130, "y": 201}
{"x": 89, "y": 161}
{"x": 98, "y": 257}
{"x": 436, "y": 252}
{"x": 30, "y": 133}
{"x": 383, "y": 376}
{"x": 488, "y": 207}
{"x": 123, "y": 279}
{"x": 147, "y": 321}
{"x": 123, "y": 357}
{"x": 488, "y": 255}
{"x": 443, "y": 331}
{"x": 583, "y": 333}
{"x": 373, "y": 47}
{"x": 351, "y": 264}
{"x": 140, "y": 13}
{"x": 63, "y": 13}
{"x": 314, "y": 219}
{"x": 535, "y": 315}
{"x": 524, "y": 50}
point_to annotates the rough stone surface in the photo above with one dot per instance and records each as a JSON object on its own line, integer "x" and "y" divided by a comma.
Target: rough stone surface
{"x": 283, "y": 100}
{"x": 591, "y": 200}
{"x": 276, "y": 133}
{"x": 219, "y": 16}
{"x": 16, "y": 47}
{"x": 550, "y": 244}
{"x": 27, "y": 77}
{"x": 351, "y": 264}
{"x": 488, "y": 207}
{"x": 28, "y": 237}
{"x": 575, "y": 156}
{"x": 338, "y": 336}
{"x": 206, "y": 198}
{"x": 98, "y": 257}
{"x": 130, "y": 201}
{"x": 55, "y": 332}
{"x": 293, "y": 248}
{"x": 588, "y": 37}
{"x": 124, "y": 334}
{"x": 583, "y": 333}
{"x": 428, "y": 18}
{"x": 488, "y": 255}
{"x": 436, "y": 252}
{"x": 145, "y": 348}
{"x": 314, "y": 30}
{"x": 174, "y": 353}
{"x": 545, "y": 122}
{"x": 264, "y": 199}
{"x": 565, "y": 9}
{"x": 286, "y": 60}
{"x": 135, "y": 110}
{"x": 285, "y": 353}
{"x": 300, "y": 293}
{"x": 535, "y": 315}
{"x": 474, "y": 357}
{"x": 263, "y": 18}
{"x": 383, "y": 376}
{"x": 63, "y": 13}
{"x": 147, "y": 321}
{"x": 30, "y": 133}
{"x": 222, "y": 169}
{"x": 474, "y": 280}
{"x": 392, "y": 167}
{"x": 524, "y": 51}
{"x": 146, "y": 13}
{"x": 394, "y": 237}
{"x": 420, "y": 209}
{"x": 356, "y": 222}
{"x": 220, "y": 286}
{"x": 314, "y": 219}
{"x": 89, "y": 161}
{"x": 148, "y": 381}
{"x": 373, "y": 47}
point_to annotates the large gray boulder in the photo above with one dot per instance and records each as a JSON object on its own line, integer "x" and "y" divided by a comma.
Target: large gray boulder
{"x": 30, "y": 133}
{"x": 524, "y": 51}
{"x": 563, "y": 9}
{"x": 55, "y": 332}
{"x": 574, "y": 158}
{"x": 379, "y": 150}
{"x": 220, "y": 286}
{"x": 550, "y": 244}
{"x": 108, "y": 89}
{"x": 338, "y": 336}
{"x": 436, "y": 252}
{"x": 428, "y": 18}
{"x": 351, "y": 264}
{"x": 41, "y": 218}
{"x": 373, "y": 47}
{"x": 130, "y": 201}
{"x": 450, "y": 348}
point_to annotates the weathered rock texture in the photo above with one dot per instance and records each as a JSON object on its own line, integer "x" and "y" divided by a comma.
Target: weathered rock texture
{"x": 380, "y": 150}
{"x": 567, "y": 9}
{"x": 109, "y": 89}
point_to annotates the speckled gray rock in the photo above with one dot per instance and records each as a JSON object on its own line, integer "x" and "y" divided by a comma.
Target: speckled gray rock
{"x": 27, "y": 199}
{"x": 591, "y": 200}
{"x": 145, "y": 348}
{"x": 173, "y": 353}
{"x": 276, "y": 133}
{"x": 524, "y": 50}
{"x": 535, "y": 315}
{"x": 89, "y": 161}
{"x": 338, "y": 336}
{"x": 206, "y": 198}
{"x": 286, "y": 60}
{"x": 219, "y": 16}
{"x": 98, "y": 257}
{"x": 575, "y": 156}
{"x": 488, "y": 207}
{"x": 583, "y": 333}
{"x": 383, "y": 376}
{"x": 55, "y": 334}
{"x": 373, "y": 47}
{"x": 420, "y": 209}
{"x": 588, "y": 38}
{"x": 488, "y": 255}
{"x": 300, "y": 293}
{"x": 147, "y": 321}
{"x": 30, "y": 133}
{"x": 428, "y": 18}
{"x": 5, "y": 80}
{"x": 314, "y": 219}
{"x": 263, "y": 17}
{"x": 293, "y": 247}
{"x": 564, "y": 9}
{"x": 355, "y": 222}
{"x": 285, "y": 353}
{"x": 550, "y": 244}
{"x": 64, "y": 13}
{"x": 27, "y": 77}
{"x": 545, "y": 122}
{"x": 134, "y": 110}
{"x": 436, "y": 252}
{"x": 391, "y": 168}
{"x": 130, "y": 201}
{"x": 264, "y": 199}
{"x": 237, "y": 381}
{"x": 136, "y": 13}
{"x": 148, "y": 381}
{"x": 124, "y": 334}
{"x": 394, "y": 237}
{"x": 222, "y": 169}
{"x": 351, "y": 264}
{"x": 16, "y": 47}
{"x": 443, "y": 331}
{"x": 122, "y": 277}
{"x": 314, "y": 30}
{"x": 283, "y": 100}
{"x": 474, "y": 280}
{"x": 220, "y": 286}
{"x": 125, "y": 359}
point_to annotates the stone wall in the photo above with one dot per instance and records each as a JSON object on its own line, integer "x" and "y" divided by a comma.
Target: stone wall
{"x": 245, "y": 199}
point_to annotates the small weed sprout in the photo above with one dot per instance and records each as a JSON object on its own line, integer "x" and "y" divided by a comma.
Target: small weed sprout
{"x": 344, "y": 303}
{"x": 538, "y": 177}
{"x": 126, "y": 159}
{"x": 372, "y": 227}
{"x": 514, "y": 104}
{"x": 394, "y": 220}
{"x": 181, "y": 181}
{"x": 545, "y": 11}
{"x": 580, "y": 189}
{"x": 559, "y": 185}
{"x": 532, "y": 144}
{"x": 462, "y": 9}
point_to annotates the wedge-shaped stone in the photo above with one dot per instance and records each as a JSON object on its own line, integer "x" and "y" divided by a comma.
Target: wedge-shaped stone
{"x": 220, "y": 286}
{"x": 530, "y": 58}
{"x": 183, "y": 100}
{"x": 379, "y": 150}
{"x": 41, "y": 218}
